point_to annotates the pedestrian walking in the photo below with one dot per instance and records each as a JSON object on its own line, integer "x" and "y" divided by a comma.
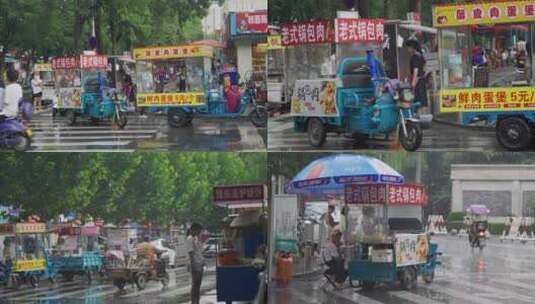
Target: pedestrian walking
{"x": 194, "y": 247}
{"x": 37, "y": 91}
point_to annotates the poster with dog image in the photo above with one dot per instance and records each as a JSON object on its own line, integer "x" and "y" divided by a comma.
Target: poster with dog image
{"x": 315, "y": 98}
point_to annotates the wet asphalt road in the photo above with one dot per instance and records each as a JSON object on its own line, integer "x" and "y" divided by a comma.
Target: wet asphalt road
{"x": 102, "y": 291}
{"x": 439, "y": 137}
{"x": 501, "y": 273}
{"x": 146, "y": 134}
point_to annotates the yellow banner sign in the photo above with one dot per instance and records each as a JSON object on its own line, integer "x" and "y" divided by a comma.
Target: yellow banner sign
{"x": 274, "y": 42}
{"x": 487, "y": 99}
{"x": 30, "y": 228}
{"x": 484, "y": 13}
{"x": 42, "y": 67}
{"x": 29, "y": 265}
{"x": 170, "y": 99}
{"x": 173, "y": 52}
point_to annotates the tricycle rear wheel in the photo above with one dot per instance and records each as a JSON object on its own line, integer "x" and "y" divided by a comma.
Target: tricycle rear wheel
{"x": 141, "y": 281}
{"x": 71, "y": 117}
{"x": 408, "y": 278}
{"x": 34, "y": 281}
{"x": 316, "y": 132}
{"x": 513, "y": 133}
{"x": 119, "y": 283}
{"x": 367, "y": 285}
{"x": 178, "y": 118}
{"x": 413, "y": 140}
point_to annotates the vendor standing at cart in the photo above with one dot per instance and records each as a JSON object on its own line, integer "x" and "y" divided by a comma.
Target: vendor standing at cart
{"x": 417, "y": 72}
{"x": 194, "y": 248}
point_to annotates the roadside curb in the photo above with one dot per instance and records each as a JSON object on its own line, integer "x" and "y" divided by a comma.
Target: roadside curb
{"x": 475, "y": 128}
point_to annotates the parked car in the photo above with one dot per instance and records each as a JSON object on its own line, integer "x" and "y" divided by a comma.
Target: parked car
{"x": 168, "y": 253}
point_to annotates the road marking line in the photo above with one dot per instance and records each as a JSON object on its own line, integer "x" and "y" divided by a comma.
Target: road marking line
{"x": 131, "y": 137}
{"x": 461, "y": 294}
{"x": 44, "y": 292}
{"x": 17, "y": 292}
{"x": 209, "y": 284}
{"x": 72, "y": 293}
{"x": 83, "y": 144}
{"x": 418, "y": 299}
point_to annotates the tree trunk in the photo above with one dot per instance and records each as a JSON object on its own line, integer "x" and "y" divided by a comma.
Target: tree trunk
{"x": 390, "y": 9}
{"x": 77, "y": 26}
{"x": 2, "y": 62}
{"x": 364, "y": 8}
{"x": 415, "y": 6}
{"x": 98, "y": 19}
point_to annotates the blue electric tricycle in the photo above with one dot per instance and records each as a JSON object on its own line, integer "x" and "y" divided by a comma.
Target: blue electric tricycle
{"x": 184, "y": 84}
{"x": 367, "y": 104}
{"x": 27, "y": 261}
{"x": 78, "y": 252}
{"x": 83, "y": 91}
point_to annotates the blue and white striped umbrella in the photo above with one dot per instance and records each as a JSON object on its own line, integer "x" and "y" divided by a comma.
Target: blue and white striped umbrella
{"x": 329, "y": 175}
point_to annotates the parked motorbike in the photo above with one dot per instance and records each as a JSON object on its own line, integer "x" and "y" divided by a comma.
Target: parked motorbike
{"x": 14, "y": 134}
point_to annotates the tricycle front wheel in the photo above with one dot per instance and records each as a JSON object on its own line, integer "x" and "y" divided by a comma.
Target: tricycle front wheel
{"x": 413, "y": 139}
{"x": 428, "y": 277}
{"x": 513, "y": 133}
{"x": 316, "y": 132}
{"x": 259, "y": 117}
{"x": 120, "y": 119}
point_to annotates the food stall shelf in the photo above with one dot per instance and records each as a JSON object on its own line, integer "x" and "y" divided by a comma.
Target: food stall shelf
{"x": 364, "y": 270}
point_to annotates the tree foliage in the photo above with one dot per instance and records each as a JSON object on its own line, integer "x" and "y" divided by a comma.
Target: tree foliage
{"x": 59, "y": 27}
{"x": 156, "y": 187}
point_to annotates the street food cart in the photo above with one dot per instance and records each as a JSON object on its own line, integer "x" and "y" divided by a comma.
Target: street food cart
{"x": 241, "y": 252}
{"x": 27, "y": 261}
{"x": 77, "y": 251}
{"x": 83, "y": 91}
{"x": 391, "y": 244}
{"x": 357, "y": 98}
{"x": 486, "y": 66}
{"x": 179, "y": 80}
{"x": 46, "y": 74}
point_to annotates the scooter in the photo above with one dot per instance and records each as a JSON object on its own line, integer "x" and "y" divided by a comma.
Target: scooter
{"x": 478, "y": 239}
{"x": 13, "y": 133}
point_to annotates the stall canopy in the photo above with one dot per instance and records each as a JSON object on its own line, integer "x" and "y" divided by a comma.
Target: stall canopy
{"x": 330, "y": 174}
{"x": 247, "y": 219}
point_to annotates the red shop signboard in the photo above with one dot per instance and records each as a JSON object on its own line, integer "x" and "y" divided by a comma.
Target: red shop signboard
{"x": 402, "y": 194}
{"x": 239, "y": 193}
{"x": 65, "y": 63}
{"x": 320, "y": 31}
{"x": 350, "y": 30}
{"x": 252, "y": 22}
{"x": 94, "y": 62}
